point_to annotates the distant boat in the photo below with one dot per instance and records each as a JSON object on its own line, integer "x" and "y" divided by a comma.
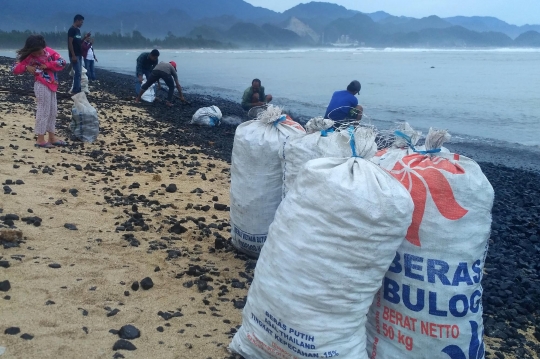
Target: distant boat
{"x": 345, "y": 44}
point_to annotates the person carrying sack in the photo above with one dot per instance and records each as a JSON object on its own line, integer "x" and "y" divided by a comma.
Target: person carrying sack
{"x": 167, "y": 72}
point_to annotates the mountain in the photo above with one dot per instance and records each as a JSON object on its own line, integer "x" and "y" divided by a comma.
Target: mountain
{"x": 359, "y": 28}
{"x": 302, "y": 30}
{"x": 486, "y": 23}
{"x": 455, "y": 36}
{"x": 528, "y": 39}
{"x": 315, "y": 9}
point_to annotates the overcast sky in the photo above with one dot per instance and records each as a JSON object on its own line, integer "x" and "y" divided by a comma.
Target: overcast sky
{"x": 518, "y": 12}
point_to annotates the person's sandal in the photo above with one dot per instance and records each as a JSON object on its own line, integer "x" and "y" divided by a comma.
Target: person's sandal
{"x": 60, "y": 143}
{"x": 44, "y": 145}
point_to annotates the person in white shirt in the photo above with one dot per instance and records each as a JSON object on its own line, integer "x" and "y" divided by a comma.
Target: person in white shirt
{"x": 89, "y": 56}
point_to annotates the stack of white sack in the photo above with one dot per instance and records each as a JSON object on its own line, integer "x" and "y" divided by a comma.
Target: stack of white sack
{"x": 321, "y": 141}
{"x": 332, "y": 239}
{"x": 430, "y": 304}
{"x": 256, "y": 177}
{"x": 84, "y": 119}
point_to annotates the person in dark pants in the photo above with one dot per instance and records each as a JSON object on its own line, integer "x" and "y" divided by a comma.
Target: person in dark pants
{"x": 75, "y": 51}
{"x": 167, "y": 72}
{"x": 145, "y": 64}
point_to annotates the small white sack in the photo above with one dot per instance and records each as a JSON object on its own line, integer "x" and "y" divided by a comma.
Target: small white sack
{"x": 321, "y": 141}
{"x": 400, "y": 147}
{"x": 430, "y": 304}
{"x": 331, "y": 242}
{"x": 150, "y": 94}
{"x": 84, "y": 119}
{"x": 256, "y": 177}
{"x": 207, "y": 116}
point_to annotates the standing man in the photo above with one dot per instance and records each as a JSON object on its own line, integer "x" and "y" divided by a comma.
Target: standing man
{"x": 75, "y": 51}
{"x": 89, "y": 56}
{"x": 145, "y": 64}
{"x": 254, "y": 96}
{"x": 344, "y": 105}
{"x": 167, "y": 72}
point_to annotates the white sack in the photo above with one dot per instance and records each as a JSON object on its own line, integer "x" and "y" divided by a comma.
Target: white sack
{"x": 150, "y": 94}
{"x": 207, "y": 116}
{"x": 331, "y": 242}
{"x": 430, "y": 304}
{"x": 256, "y": 177}
{"x": 84, "y": 79}
{"x": 84, "y": 119}
{"x": 298, "y": 150}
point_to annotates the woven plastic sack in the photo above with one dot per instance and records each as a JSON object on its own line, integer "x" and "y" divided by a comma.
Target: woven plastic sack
{"x": 84, "y": 124}
{"x": 207, "y": 116}
{"x": 256, "y": 177}
{"x": 84, "y": 79}
{"x": 150, "y": 94}
{"x": 332, "y": 240}
{"x": 430, "y": 304}
{"x": 322, "y": 141}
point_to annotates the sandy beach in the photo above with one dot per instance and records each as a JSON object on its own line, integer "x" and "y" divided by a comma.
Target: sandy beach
{"x": 149, "y": 199}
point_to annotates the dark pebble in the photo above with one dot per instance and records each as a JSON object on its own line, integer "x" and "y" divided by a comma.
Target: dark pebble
{"x": 124, "y": 345}
{"x": 70, "y": 226}
{"x": 147, "y": 283}
{"x": 160, "y": 329}
{"x": 27, "y": 336}
{"x": 220, "y": 207}
{"x": 113, "y": 312}
{"x": 55, "y": 265}
{"x": 135, "y": 286}
{"x": 129, "y": 332}
{"x": 12, "y": 331}
{"x": 4, "y": 264}
{"x": 171, "y": 188}
{"x": 5, "y": 286}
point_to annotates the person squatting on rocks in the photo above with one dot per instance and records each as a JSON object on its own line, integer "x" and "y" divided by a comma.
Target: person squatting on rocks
{"x": 344, "y": 105}
{"x": 89, "y": 56}
{"x": 145, "y": 64}
{"x": 75, "y": 51}
{"x": 254, "y": 96}
{"x": 43, "y": 62}
{"x": 167, "y": 72}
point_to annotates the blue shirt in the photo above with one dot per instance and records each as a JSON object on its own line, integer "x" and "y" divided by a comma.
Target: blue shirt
{"x": 340, "y": 99}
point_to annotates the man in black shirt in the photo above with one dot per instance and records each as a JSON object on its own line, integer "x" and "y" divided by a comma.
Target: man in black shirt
{"x": 145, "y": 64}
{"x": 75, "y": 51}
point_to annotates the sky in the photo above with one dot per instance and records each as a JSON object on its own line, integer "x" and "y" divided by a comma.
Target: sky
{"x": 517, "y": 12}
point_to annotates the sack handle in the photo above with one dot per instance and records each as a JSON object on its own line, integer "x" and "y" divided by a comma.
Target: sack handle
{"x": 411, "y": 146}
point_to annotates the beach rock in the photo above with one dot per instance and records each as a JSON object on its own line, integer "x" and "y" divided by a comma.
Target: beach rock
{"x": 171, "y": 188}
{"x": 220, "y": 207}
{"x": 5, "y": 286}
{"x": 129, "y": 332}
{"x": 4, "y": 264}
{"x": 160, "y": 329}
{"x": 178, "y": 229}
{"x": 147, "y": 283}
{"x": 124, "y": 345}
{"x": 113, "y": 312}
{"x": 10, "y": 235}
{"x": 135, "y": 286}
{"x": 12, "y": 331}
{"x": 55, "y": 265}
{"x": 70, "y": 226}
{"x": 27, "y": 336}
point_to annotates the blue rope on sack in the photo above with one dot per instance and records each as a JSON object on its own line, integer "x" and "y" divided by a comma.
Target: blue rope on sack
{"x": 325, "y": 133}
{"x": 409, "y": 143}
{"x": 280, "y": 119}
{"x": 352, "y": 142}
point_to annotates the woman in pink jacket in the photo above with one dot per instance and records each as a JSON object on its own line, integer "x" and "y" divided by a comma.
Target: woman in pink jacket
{"x": 43, "y": 62}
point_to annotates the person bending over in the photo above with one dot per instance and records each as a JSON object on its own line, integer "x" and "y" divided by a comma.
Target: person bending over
{"x": 344, "y": 105}
{"x": 254, "y": 96}
{"x": 146, "y": 62}
{"x": 167, "y": 72}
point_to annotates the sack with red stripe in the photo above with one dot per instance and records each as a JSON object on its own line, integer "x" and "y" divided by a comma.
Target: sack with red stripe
{"x": 430, "y": 303}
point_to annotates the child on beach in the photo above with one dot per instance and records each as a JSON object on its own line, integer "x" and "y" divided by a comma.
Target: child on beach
{"x": 43, "y": 62}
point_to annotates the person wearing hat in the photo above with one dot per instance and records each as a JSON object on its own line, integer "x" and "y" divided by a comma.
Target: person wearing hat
{"x": 344, "y": 105}
{"x": 145, "y": 64}
{"x": 167, "y": 72}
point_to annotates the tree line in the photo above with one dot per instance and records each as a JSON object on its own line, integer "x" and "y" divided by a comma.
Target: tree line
{"x": 58, "y": 40}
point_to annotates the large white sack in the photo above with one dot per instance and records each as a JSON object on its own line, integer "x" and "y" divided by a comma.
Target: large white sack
{"x": 150, "y": 94}
{"x": 207, "y": 116}
{"x": 430, "y": 304}
{"x": 84, "y": 119}
{"x": 332, "y": 240}
{"x": 298, "y": 150}
{"x": 256, "y": 177}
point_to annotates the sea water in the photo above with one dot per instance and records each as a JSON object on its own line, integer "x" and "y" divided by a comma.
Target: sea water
{"x": 478, "y": 95}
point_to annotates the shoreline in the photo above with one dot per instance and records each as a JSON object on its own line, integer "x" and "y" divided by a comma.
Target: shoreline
{"x": 141, "y": 150}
